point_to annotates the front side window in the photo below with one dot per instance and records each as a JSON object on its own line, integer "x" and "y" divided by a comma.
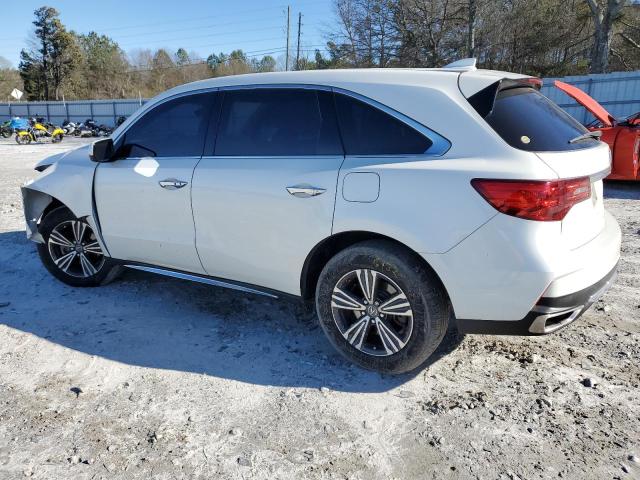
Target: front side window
{"x": 367, "y": 130}
{"x": 176, "y": 128}
{"x": 528, "y": 120}
{"x": 277, "y": 122}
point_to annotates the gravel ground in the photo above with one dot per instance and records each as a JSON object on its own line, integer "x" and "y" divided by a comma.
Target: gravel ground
{"x": 151, "y": 377}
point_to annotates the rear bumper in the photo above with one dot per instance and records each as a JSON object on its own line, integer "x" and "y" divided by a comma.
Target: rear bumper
{"x": 549, "y": 315}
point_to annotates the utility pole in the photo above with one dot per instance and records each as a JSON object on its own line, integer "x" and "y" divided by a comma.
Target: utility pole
{"x": 286, "y": 62}
{"x": 298, "y": 50}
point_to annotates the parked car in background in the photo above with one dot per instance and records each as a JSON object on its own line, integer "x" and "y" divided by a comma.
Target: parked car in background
{"x": 391, "y": 198}
{"x": 622, "y": 136}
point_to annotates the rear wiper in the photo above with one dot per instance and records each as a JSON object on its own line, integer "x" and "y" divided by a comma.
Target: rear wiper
{"x": 586, "y": 136}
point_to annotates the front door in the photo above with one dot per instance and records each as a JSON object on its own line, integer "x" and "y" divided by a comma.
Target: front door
{"x": 266, "y": 197}
{"x": 143, "y": 198}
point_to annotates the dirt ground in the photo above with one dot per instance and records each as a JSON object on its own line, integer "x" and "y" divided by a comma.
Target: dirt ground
{"x": 151, "y": 377}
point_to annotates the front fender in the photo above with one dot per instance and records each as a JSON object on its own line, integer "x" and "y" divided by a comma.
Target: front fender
{"x": 34, "y": 204}
{"x": 68, "y": 180}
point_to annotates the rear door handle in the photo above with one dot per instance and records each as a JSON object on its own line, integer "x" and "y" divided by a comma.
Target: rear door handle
{"x": 172, "y": 183}
{"x": 305, "y": 191}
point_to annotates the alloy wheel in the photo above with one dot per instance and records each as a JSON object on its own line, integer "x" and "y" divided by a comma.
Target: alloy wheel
{"x": 75, "y": 250}
{"x": 372, "y": 312}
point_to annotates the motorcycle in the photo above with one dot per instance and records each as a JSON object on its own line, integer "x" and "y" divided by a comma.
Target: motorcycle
{"x": 5, "y": 129}
{"x": 69, "y": 127}
{"x": 37, "y": 130}
{"x": 98, "y": 130}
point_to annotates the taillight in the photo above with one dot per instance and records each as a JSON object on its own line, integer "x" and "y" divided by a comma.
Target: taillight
{"x": 544, "y": 201}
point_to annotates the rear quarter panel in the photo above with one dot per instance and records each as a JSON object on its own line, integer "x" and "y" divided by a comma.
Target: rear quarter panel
{"x": 427, "y": 204}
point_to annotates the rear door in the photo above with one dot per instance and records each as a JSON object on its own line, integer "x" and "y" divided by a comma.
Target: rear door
{"x": 265, "y": 196}
{"x": 529, "y": 121}
{"x": 144, "y": 197}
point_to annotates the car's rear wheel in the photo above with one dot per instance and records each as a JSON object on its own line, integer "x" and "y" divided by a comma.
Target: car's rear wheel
{"x": 381, "y": 308}
{"x": 71, "y": 251}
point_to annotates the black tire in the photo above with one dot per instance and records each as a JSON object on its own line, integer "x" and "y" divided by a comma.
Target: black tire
{"x": 6, "y": 133}
{"x": 57, "y": 138}
{"x": 60, "y": 217}
{"x": 429, "y": 305}
{"x": 23, "y": 139}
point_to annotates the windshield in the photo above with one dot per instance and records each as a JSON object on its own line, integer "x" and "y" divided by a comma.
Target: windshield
{"x": 529, "y": 121}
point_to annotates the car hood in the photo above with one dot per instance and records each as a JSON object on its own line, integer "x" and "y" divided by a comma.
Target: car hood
{"x": 587, "y": 102}
{"x": 78, "y": 155}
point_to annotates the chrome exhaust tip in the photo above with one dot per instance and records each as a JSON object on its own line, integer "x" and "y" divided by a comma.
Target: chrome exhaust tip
{"x": 552, "y": 319}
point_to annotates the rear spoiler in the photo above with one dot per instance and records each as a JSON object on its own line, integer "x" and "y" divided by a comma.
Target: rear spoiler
{"x": 484, "y": 100}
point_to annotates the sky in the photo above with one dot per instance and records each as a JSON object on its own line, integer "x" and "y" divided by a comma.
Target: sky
{"x": 205, "y": 26}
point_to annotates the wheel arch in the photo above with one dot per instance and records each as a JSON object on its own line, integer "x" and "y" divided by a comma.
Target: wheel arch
{"x": 37, "y": 205}
{"x": 330, "y": 246}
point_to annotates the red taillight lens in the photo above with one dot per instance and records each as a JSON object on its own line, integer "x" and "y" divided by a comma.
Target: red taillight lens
{"x": 544, "y": 201}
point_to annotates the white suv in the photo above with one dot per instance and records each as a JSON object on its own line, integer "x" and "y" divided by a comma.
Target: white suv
{"x": 393, "y": 198}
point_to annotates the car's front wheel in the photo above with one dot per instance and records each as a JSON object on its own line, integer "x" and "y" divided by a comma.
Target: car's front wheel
{"x": 71, "y": 251}
{"x": 381, "y": 308}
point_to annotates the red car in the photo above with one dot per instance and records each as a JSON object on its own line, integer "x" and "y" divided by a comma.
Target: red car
{"x": 623, "y": 136}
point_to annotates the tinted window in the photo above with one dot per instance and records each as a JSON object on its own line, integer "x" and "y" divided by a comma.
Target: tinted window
{"x": 367, "y": 130}
{"x": 278, "y": 122}
{"x": 528, "y": 120}
{"x": 176, "y": 128}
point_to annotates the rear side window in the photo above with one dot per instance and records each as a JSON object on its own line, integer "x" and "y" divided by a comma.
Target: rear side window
{"x": 176, "y": 128}
{"x": 277, "y": 122}
{"x": 528, "y": 120}
{"x": 367, "y": 130}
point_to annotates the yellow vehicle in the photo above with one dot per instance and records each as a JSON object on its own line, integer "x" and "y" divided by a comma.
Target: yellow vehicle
{"x": 38, "y": 131}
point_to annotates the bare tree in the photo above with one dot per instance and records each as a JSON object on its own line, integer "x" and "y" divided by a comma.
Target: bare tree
{"x": 604, "y": 13}
{"x": 471, "y": 27}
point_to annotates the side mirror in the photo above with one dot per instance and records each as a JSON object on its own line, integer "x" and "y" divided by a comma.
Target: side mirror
{"x": 101, "y": 151}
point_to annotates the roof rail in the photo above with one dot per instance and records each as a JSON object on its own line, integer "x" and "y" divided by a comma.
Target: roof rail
{"x": 465, "y": 64}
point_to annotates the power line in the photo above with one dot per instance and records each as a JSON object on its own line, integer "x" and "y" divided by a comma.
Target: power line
{"x": 248, "y": 54}
{"x": 209, "y": 35}
{"x": 191, "y": 19}
{"x": 199, "y": 27}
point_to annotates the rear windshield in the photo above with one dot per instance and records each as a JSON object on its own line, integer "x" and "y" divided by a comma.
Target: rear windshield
{"x": 529, "y": 121}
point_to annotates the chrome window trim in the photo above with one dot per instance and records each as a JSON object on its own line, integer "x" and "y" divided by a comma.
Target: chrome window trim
{"x": 162, "y": 102}
{"x": 440, "y": 145}
{"x": 273, "y": 86}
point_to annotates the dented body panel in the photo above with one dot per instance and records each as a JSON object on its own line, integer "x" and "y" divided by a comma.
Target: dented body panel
{"x": 67, "y": 179}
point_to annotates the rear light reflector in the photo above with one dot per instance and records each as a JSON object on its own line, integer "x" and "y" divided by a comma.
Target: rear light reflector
{"x": 544, "y": 201}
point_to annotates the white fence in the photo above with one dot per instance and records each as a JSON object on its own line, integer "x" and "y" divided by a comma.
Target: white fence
{"x": 618, "y": 92}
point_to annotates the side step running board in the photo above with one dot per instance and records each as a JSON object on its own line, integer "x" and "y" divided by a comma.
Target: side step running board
{"x": 199, "y": 279}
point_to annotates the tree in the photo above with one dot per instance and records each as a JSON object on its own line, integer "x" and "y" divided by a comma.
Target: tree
{"x": 104, "y": 67}
{"x": 54, "y": 55}
{"x": 471, "y": 26}
{"x": 182, "y": 57}
{"x": 366, "y": 32}
{"x": 604, "y": 14}
{"x": 234, "y": 63}
{"x": 265, "y": 64}
{"x": 9, "y": 79}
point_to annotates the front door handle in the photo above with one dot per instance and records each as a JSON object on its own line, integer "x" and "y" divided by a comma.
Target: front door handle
{"x": 172, "y": 183}
{"x": 305, "y": 191}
